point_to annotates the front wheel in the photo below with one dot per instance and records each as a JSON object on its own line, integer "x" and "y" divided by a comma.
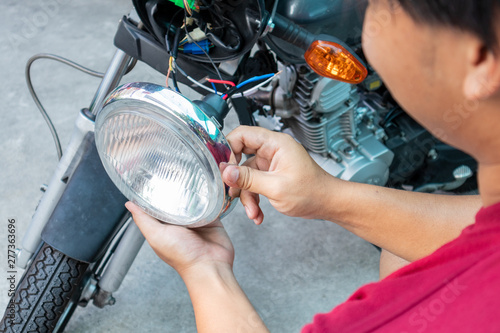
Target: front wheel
{"x": 44, "y": 292}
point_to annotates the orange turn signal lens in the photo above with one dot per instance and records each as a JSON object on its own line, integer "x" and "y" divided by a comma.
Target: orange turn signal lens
{"x": 332, "y": 60}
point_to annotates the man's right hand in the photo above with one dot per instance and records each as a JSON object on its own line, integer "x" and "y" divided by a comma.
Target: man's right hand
{"x": 409, "y": 225}
{"x": 281, "y": 170}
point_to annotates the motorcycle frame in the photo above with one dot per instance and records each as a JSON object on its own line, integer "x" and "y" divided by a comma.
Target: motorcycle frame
{"x": 126, "y": 247}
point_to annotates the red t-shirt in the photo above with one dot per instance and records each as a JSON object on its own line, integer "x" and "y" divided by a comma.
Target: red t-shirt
{"x": 455, "y": 289}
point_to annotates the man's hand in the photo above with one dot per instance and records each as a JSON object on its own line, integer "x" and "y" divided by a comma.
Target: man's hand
{"x": 281, "y": 170}
{"x": 409, "y": 225}
{"x": 203, "y": 257}
{"x": 184, "y": 248}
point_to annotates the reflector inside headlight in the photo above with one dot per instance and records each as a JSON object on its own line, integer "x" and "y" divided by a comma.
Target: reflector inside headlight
{"x": 163, "y": 153}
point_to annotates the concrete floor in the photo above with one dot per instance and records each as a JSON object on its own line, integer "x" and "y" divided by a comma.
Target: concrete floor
{"x": 290, "y": 268}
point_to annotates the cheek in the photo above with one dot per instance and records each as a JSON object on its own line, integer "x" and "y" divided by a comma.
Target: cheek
{"x": 388, "y": 53}
{"x": 379, "y": 45}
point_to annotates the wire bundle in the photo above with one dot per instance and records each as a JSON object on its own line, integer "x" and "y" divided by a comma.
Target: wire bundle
{"x": 233, "y": 89}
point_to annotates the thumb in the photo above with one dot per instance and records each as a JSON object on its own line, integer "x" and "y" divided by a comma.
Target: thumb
{"x": 246, "y": 178}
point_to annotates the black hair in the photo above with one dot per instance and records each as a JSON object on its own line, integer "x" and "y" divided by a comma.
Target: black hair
{"x": 475, "y": 16}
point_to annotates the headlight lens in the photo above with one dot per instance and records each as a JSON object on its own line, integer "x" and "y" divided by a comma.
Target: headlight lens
{"x": 163, "y": 153}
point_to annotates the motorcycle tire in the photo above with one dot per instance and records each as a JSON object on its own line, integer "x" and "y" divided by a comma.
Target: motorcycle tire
{"x": 44, "y": 293}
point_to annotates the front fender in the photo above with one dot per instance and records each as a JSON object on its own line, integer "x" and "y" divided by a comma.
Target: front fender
{"x": 89, "y": 213}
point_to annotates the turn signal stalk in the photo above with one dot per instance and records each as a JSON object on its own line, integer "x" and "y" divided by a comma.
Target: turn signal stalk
{"x": 326, "y": 55}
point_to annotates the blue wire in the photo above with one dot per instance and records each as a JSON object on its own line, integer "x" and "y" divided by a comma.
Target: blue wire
{"x": 253, "y": 79}
{"x": 215, "y": 88}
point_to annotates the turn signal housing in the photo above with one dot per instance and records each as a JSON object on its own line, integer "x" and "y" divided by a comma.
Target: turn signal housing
{"x": 332, "y": 60}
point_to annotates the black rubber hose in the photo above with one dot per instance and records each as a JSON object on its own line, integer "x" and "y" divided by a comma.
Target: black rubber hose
{"x": 291, "y": 32}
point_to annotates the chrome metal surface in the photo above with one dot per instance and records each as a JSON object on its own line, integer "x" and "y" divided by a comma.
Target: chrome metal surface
{"x": 111, "y": 79}
{"x": 122, "y": 259}
{"x": 32, "y": 238}
{"x": 184, "y": 113}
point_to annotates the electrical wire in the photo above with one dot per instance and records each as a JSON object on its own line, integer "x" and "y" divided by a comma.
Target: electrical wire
{"x": 169, "y": 70}
{"x": 253, "y": 89}
{"x": 35, "y": 96}
{"x": 253, "y": 79}
{"x": 187, "y": 8}
{"x": 215, "y": 88}
{"x": 174, "y": 81}
{"x": 206, "y": 53}
{"x": 273, "y": 13}
{"x": 175, "y": 50}
{"x": 193, "y": 80}
{"x": 232, "y": 84}
{"x": 39, "y": 105}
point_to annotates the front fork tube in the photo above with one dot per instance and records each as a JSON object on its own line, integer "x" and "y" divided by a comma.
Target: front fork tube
{"x": 119, "y": 263}
{"x": 83, "y": 125}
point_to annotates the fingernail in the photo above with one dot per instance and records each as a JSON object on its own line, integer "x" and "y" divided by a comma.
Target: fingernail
{"x": 247, "y": 210}
{"x": 233, "y": 174}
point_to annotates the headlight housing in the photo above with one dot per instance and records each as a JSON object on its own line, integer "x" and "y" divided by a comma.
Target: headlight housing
{"x": 163, "y": 153}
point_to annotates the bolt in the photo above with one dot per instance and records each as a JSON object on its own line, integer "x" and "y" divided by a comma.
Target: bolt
{"x": 348, "y": 151}
{"x": 43, "y": 187}
{"x": 433, "y": 155}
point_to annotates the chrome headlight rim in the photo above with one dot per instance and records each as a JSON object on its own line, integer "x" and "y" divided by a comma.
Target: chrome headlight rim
{"x": 179, "y": 114}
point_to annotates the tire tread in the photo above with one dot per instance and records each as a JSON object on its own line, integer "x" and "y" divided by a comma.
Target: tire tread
{"x": 43, "y": 293}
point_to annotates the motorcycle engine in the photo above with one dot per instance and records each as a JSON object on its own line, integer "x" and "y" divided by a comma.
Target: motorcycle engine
{"x": 332, "y": 121}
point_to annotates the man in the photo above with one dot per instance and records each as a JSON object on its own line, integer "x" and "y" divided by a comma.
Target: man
{"x": 441, "y": 61}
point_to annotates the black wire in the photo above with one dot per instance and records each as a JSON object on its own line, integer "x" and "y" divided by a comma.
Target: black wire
{"x": 208, "y": 56}
{"x": 391, "y": 115}
{"x": 39, "y": 105}
{"x": 167, "y": 42}
{"x": 175, "y": 46}
{"x": 248, "y": 86}
{"x": 275, "y": 7}
{"x": 175, "y": 49}
{"x": 131, "y": 66}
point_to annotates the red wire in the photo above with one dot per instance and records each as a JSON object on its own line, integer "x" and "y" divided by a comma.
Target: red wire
{"x": 232, "y": 84}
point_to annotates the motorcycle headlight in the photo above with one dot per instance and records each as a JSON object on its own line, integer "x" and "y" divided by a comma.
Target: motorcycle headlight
{"x": 163, "y": 153}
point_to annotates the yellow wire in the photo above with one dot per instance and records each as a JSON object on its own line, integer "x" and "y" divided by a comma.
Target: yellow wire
{"x": 170, "y": 61}
{"x": 186, "y": 5}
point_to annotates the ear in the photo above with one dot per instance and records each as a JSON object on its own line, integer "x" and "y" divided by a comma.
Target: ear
{"x": 482, "y": 79}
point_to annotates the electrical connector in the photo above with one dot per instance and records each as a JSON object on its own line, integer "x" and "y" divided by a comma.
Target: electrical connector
{"x": 196, "y": 35}
{"x": 192, "y": 48}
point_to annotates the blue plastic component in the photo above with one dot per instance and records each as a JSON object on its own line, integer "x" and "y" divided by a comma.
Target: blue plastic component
{"x": 192, "y": 48}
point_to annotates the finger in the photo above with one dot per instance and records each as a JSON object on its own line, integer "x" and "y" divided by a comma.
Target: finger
{"x": 234, "y": 192}
{"x": 253, "y": 140}
{"x": 252, "y": 162}
{"x": 251, "y": 203}
{"x": 246, "y": 178}
{"x": 260, "y": 218}
{"x": 148, "y": 225}
{"x": 222, "y": 167}
{"x": 257, "y": 163}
